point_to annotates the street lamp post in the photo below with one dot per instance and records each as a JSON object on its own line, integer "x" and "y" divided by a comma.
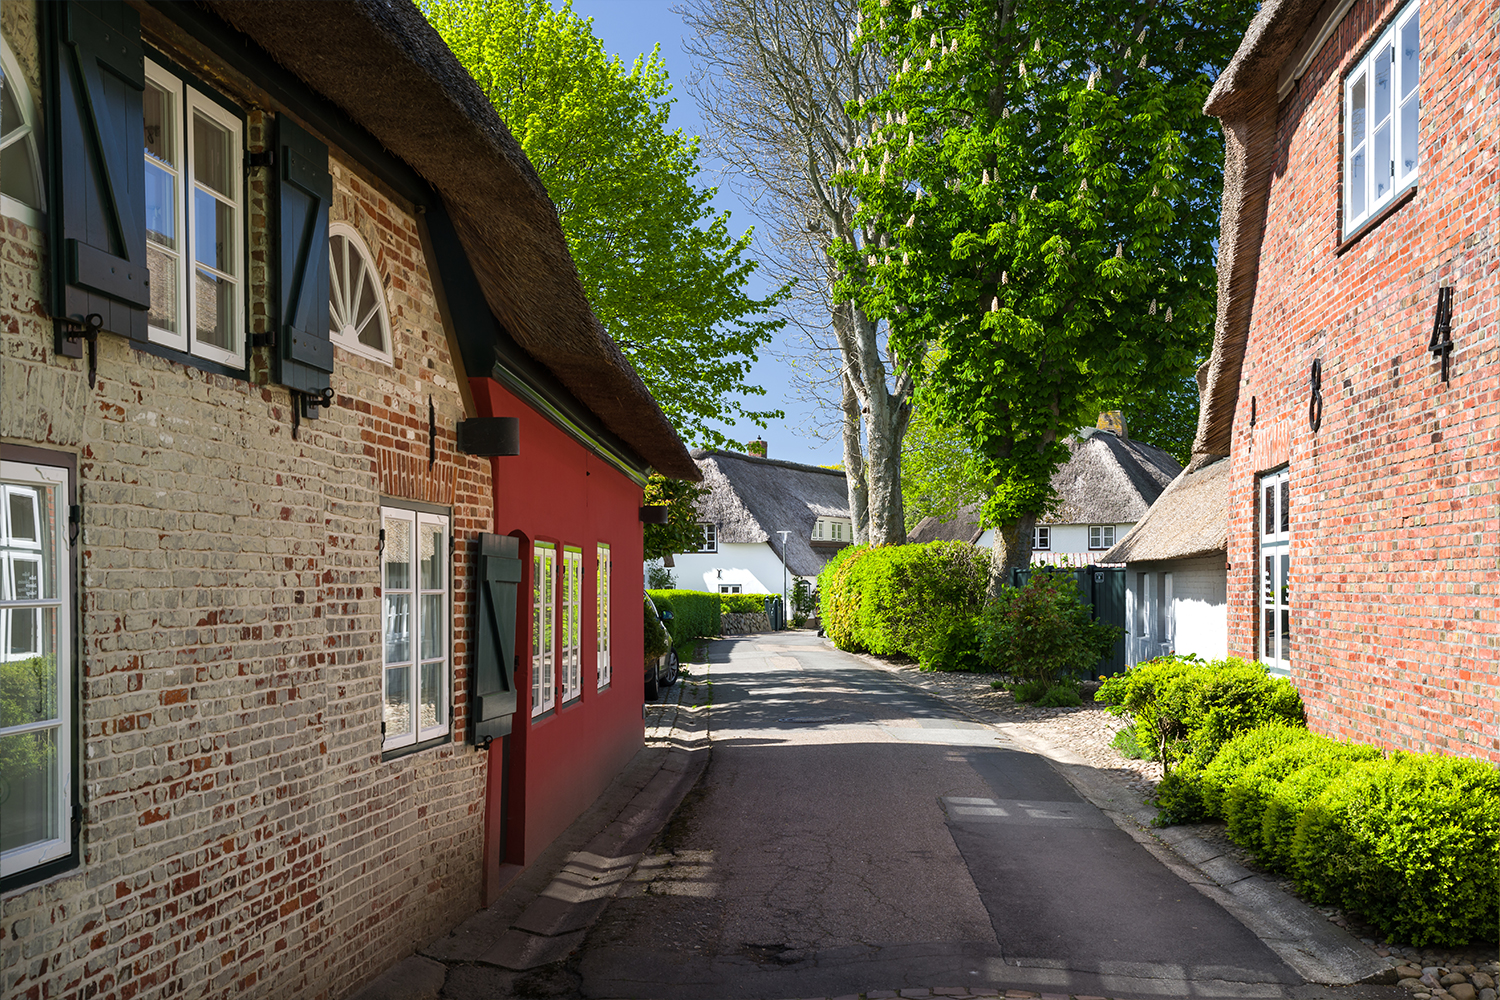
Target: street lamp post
{"x": 783, "y": 535}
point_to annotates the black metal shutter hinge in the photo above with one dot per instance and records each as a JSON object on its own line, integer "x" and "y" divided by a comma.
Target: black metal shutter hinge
{"x": 264, "y": 158}
{"x": 75, "y": 523}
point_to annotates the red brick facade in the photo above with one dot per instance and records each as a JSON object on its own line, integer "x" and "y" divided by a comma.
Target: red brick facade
{"x": 1394, "y": 536}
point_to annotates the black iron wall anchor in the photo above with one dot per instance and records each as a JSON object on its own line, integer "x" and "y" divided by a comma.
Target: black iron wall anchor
{"x": 1441, "y": 342}
{"x": 92, "y": 324}
{"x": 1315, "y": 402}
{"x": 308, "y": 403}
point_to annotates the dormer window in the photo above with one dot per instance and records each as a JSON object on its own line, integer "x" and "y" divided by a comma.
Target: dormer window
{"x": 833, "y": 529}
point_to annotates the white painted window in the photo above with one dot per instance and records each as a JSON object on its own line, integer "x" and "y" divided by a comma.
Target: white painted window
{"x": 730, "y": 588}
{"x": 1041, "y": 537}
{"x": 36, "y": 738}
{"x": 194, "y": 149}
{"x": 710, "y": 537}
{"x": 1381, "y": 120}
{"x": 543, "y": 627}
{"x": 22, "y": 195}
{"x": 572, "y": 623}
{"x": 833, "y": 529}
{"x": 601, "y": 618}
{"x": 1275, "y": 602}
{"x": 415, "y": 596}
{"x": 357, "y": 318}
{"x": 1101, "y": 536}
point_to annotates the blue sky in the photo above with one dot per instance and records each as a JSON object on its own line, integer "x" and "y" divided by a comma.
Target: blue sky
{"x": 629, "y": 28}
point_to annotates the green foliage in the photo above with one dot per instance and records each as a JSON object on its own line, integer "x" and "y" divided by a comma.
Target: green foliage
{"x": 742, "y": 604}
{"x": 1164, "y": 414}
{"x": 1029, "y": 690}
{"x": 1183, "y": 707}
{"x": 938, "y": 471}
{"x": 1241, "y": 752}
{"x": 1043, "y": 631}
{"x": 28, "y": 693}
{"x": 658, "y": 577}
{"x": 1286, "y": 802}
{"x": 1247, "y": 799}
{"x": 1409, "y": 843}
{"x": 952, "y": 642}
{"x": 1061, "y": 695}
{"x": 1048, "y": 190}
{"x": 658, "y": 640}
{"x": 890, "y": 600}
{"x": 682, "y": 532}
{"x": 804, "y": 602}
{"x": 695, "y": 615}
{"x": 657, "y": 261}
{"x": 1125, "y": 742}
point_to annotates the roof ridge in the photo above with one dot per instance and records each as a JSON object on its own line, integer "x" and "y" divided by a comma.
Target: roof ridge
{"x": 701, "y": 453}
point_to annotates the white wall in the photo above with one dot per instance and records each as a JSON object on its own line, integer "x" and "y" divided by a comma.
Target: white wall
{"x": 1179, "y": 606}
{"x": 754, "y": 566}
{"x": 1071, "y": 540}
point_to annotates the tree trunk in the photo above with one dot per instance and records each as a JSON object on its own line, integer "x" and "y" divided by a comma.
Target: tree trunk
{"x": 854, "y": 465}
{"x": 1012, "y": 551}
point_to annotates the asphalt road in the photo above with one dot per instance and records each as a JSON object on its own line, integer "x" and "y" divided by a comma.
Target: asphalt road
{"x": 853, "y": 834}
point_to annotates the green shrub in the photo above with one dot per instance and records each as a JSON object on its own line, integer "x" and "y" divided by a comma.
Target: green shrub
{"x": 658, "y": 640}
{"x": 1241, "y": 752}
{"x": 1134, "y": 694}
{"x": 1125, "y": 742}
{"x": 742, "y": 604}
{"x": 1029, "y": 691}
{"x": 1042, "y": 631}
{"x": 695, "y": 615}
{"x": 953, "y": 644}
{"x": 1247, "y": 797}
{"x": 804, "y": 602}
{"x": 1286, "y": 802}
{"x": 893, "y": 600}
{"x": 1061, "y": 695}
{"x": 1408, "y": 843}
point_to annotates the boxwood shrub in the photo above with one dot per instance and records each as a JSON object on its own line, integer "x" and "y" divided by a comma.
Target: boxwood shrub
{"x": 1248, "y": 796}
{"x": 1241, "y": 753}
{"x": 1409, "y": 843}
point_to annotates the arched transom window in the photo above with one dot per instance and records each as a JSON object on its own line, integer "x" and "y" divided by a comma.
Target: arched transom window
{"x": 356, "y": 300}
{"x": 20, "y": 167}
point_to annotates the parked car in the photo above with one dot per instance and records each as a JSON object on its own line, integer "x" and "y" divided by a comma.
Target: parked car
{"x": 661, "y": 671}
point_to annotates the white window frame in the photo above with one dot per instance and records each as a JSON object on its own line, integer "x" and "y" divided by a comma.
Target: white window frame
{"x": 731, "y": 588}
{"x": 29, "y": 133}
{"x": 571, "y": 686}
{"x": 27, "y": 856}
{"x": 710, "y": 537}
{"x": 601, "y": 617}
{"x": 342, "y": 300}
{"x": 1362, "y": 199}
{"x": 1105, "y": 535}
{"x": 1041, "y": 538}
{"x": 1273, "y": 567}
{"x": 543, "y": 627}
{"x": 187, "y": 102}
{"x": 415, "y": 659}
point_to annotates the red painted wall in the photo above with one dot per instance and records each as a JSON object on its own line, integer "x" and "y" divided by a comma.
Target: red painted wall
{"x": 1396, "y": 622}
{"x": 556, "y": 490}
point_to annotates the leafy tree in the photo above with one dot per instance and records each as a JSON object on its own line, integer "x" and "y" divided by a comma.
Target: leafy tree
{"x": 778, "y": 79}
{"x": 681, "y": 533}
{"x": 1051, "y": 190}
{"x": 938, "y": 471}
{"x": 657, "y": 262}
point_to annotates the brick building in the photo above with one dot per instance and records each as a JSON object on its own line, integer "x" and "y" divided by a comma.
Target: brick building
{"x": 1354, "y": 384}
{"x": 321, "y": 483}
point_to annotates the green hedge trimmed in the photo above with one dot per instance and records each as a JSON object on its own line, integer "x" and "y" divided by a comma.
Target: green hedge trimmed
{"x": 895, "y": 599}
{"x": 658, "y": 641}
{"x": 695, "y": 615}
{"x": 1246, "y": 798}
{"x": 742, "y": 604}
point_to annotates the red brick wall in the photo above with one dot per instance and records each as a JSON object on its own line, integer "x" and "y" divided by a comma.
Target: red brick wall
{"x": 1394, "y": 534}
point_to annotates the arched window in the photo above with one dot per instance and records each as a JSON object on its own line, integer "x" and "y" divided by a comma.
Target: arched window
{"x": 356, "y": 300}
{"x": 21, "y": 195}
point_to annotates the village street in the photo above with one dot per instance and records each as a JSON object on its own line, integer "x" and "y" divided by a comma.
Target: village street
{"x": 852, "y": 834}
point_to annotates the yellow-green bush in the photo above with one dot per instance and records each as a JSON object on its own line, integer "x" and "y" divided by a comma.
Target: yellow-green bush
{"x": 890, "y": 600}
{"x": 695, "y": 615}
{"x": 1245, "y": 794}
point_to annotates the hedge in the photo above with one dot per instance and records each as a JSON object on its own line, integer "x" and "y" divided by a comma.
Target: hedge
{"x": 1246, "y": 797}
{"x": 695, "y": 615}
{"x": 1409, "y": 843}
{"x": 658, "y": 641}
{"x": 893, "y": 600}
{"x": 743, "y": 604}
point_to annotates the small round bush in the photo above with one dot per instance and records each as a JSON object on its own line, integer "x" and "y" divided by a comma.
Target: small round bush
{"x": 1409, "y": 843}
{"x": 1249, "y": 796}
{"x": 1060, "y": 696}
{"x": 1234, "y": 757}
{"x": 1286, "y": 802}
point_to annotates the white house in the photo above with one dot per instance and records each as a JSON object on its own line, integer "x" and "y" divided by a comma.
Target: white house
{"x": 1104, "y": 488}
{"x": 1176, "y": 572}
{"x": 766, "y": 524}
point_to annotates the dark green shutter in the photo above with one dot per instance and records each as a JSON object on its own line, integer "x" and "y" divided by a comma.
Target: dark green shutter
{"x": 96, "y": 142}
{"x": 493, "y": 676}
{"x": 304, "y": 190}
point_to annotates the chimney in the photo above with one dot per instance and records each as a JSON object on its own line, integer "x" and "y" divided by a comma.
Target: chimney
{"x": 756, "y": 447}
{"x": 1114, "y": 422}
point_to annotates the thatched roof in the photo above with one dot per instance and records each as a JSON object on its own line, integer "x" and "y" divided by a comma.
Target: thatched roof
{"x": 382, "y": 64}
{"x": 1245, "y": 99}
{"x": 1190, "y": 519}
{"x": 751, "y": 499}
{"x": 1108, "y": 479}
